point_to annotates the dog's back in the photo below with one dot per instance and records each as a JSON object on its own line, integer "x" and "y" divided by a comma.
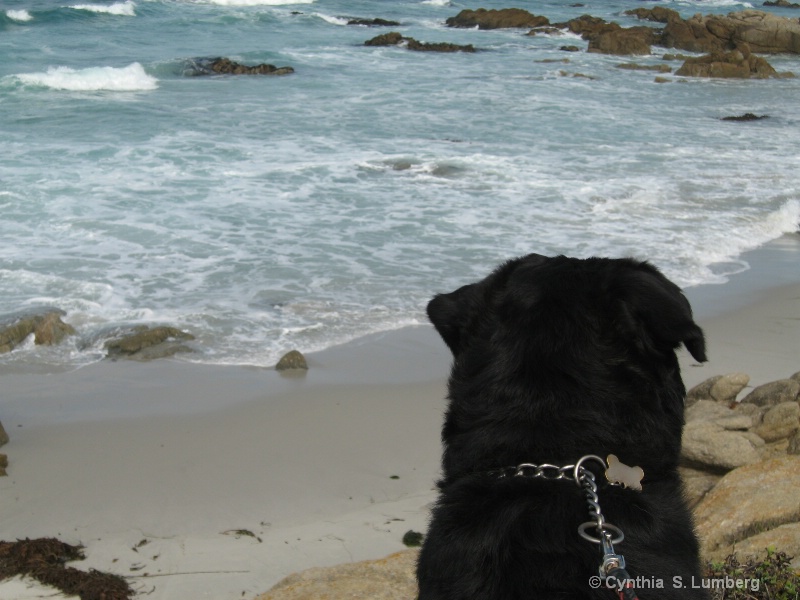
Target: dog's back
{"x": 556, "y": 359}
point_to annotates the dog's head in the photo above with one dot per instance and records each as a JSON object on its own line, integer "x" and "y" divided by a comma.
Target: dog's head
{"x": 563, "y": 357}
{"x": 568, "y": 295}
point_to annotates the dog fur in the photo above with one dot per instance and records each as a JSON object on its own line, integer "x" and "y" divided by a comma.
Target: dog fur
{"x": 554, "y": 359}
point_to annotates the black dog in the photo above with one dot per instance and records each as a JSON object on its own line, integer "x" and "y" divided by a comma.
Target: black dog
{"x": 556, "y": 359}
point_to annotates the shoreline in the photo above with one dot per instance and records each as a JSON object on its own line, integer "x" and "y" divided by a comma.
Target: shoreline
{"x": 200, "y": 481}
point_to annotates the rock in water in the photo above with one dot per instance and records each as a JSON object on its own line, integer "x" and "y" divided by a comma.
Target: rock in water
{"x": 293, "y": 359}
{"x": 46, "y": 326}
{"x": 146, "y": 343}
{"x": 506, "y": 18}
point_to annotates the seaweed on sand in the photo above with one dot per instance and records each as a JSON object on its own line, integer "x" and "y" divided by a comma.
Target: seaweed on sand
{"x": 45, "y": 560}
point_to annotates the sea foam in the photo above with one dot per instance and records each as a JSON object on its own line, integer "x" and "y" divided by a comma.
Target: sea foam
{"x": 332, "y": 20}
{"x": 132, "y": 78}
{"x": 254, "y": 2}
{"x": 19, "y": 15}
{"x": 124, "y": 9}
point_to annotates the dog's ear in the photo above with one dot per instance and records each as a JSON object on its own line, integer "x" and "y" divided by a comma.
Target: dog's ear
{"x": 452, "y": 314}
{"x": 660, "y": 313}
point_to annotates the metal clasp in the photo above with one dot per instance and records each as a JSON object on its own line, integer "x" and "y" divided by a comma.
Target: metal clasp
{"x": 611, "y": 560}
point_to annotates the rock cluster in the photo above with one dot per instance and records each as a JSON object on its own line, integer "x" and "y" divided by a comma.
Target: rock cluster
{"x": 394, "y": 38}
{"x": 729, "y": 40}
{"x": 46, "y": 326}
{"x": 720, "y": 36}
{"x": 741, "y": 465}
{"x": 740, "y": 63}
{"x": 763, "y": 32}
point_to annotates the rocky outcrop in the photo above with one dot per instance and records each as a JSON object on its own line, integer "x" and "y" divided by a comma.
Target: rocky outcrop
{"x": 396, "y": 39}
{"x": 637, "y": 67}
{"x": 740, "y": 64}
{"x": 623, "y": 41}
{"x": 373, "y": 22}
{"x": 611, "y": 38}
{"x": 709, "y": 445}
{"x": 586, "y": 25}
{"x": 782, "y": 4}
{"x": 226, "y": 66}
{"x": 659, "y": 14}
{"x": 506, "y": 18}
{"x": 145, "y": 343}
{"x": 764, "y": 32}
{"x": 741, "y": 465}
{"x": 745, "y": 117}
{"x": 46, "y": 326}
{"x": 722, "y": 388}
{"x": 722, "y": 434}
{"x": 775, "y": 392}
{"x": 750, "y": 501}
{"x": 390, "y": 578}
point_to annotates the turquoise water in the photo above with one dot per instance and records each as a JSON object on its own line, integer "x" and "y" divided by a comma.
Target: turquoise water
{"x": 268, "y": 213}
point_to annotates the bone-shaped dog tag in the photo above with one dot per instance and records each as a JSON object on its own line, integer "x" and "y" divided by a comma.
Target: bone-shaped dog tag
{"x": 618, "y": 472}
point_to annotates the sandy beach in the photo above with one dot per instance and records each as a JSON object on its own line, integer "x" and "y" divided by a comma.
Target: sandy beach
{"x": 216, "y": 482}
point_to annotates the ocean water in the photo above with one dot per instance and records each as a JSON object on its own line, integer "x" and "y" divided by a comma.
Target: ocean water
{"x": 264, "y": 213}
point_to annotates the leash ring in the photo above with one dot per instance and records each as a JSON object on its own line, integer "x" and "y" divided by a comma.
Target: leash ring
{"x": 578, "y": 469}
{"x": 606, "y": 527}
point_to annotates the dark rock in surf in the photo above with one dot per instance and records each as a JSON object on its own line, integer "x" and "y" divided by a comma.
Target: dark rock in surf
{"x": 394, "y": 38}
{"x": 506, "y": 18}
{"x": 372, "y": 22}
{"x": 584, "y": 25}
{"x": 145, "y": 343}
{"x": 622, "y": 41}
{"x": 45, "y": 325}
{"x": 611, "y": 38}
{"x": 740, "y": 64}
{"x": 746, "y": 117}
{"x": 226, "y": 66}
{"x": 782, "y": 4}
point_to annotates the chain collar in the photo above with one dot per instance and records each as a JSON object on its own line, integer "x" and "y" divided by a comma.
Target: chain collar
{"x": 617, "y": 473}
{"x": 583, "y": 478}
